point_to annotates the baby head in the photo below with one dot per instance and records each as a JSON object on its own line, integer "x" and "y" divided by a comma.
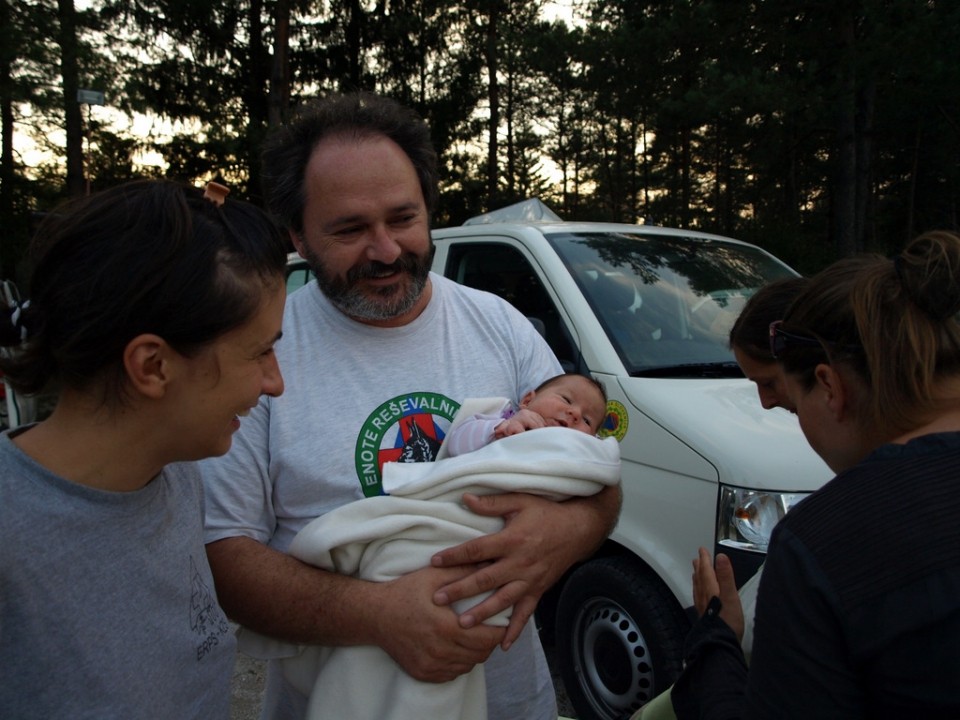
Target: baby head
{"x": 570, "y": 400}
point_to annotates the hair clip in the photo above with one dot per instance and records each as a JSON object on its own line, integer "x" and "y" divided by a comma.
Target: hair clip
{"x": 17, "y": 320}
{"x": 216, "y": 193}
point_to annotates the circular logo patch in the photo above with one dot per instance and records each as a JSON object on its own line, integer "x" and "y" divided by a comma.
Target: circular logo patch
{"x": 616, "y": 422}
{"x": 407, "y": 428}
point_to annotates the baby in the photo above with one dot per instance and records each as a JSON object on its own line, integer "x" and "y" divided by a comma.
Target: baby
{"x": 569, "y": 400}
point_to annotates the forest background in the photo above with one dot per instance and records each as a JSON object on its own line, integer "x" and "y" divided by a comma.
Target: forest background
{"x": 813, "y": 128}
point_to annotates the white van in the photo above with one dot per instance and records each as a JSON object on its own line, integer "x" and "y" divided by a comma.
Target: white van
{"x": 647, "y": 311}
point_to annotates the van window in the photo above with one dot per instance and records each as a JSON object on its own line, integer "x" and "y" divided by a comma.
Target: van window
{"x": 504, "y": 271}
{"x": 667, "y": 302}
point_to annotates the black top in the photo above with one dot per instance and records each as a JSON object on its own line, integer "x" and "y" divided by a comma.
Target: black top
{"x": 858, "y": 611}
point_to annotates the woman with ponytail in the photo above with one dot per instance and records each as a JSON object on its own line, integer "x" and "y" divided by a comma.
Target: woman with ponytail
{"x": 858, "y": 613}
{"x": 153, "y": 313}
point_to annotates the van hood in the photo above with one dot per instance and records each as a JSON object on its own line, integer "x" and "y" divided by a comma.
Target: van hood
{"x": 722, "y": 420}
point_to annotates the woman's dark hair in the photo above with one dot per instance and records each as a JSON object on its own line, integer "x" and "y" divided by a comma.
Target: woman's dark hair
{"x": 892, "y": 322}
{"x": 354, "y": 115}
{"x": 144, "y": 257}
{"x": 751, "y": 331}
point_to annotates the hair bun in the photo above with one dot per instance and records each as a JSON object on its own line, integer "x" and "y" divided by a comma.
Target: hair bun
{"x": 929, "y": 271}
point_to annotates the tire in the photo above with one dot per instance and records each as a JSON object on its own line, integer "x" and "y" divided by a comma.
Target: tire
{"x": 619, "y": 637}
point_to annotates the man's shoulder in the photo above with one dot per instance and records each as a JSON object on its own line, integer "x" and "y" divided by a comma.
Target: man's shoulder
{"x": 307, "y": 312}
{"x": 306, "y": 296}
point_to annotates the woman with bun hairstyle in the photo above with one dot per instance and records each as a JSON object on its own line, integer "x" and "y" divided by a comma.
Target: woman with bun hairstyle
{"x": 153, "y": 314}
{"x": 858, "y": 613}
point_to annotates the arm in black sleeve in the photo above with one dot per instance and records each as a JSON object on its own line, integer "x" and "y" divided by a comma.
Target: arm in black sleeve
{"x": 714, "y": 678}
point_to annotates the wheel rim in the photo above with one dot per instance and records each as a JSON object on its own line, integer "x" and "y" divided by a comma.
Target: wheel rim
{"x": 612, "y": 658}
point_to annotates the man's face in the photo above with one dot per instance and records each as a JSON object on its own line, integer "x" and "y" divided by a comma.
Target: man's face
{"x": 366, "y": 231}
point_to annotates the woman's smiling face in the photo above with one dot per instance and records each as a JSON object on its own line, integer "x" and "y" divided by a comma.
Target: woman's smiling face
{"x": 225, "y": 381}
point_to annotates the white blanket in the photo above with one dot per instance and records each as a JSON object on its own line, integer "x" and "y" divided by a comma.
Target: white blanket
{"x": 384, "y": 537}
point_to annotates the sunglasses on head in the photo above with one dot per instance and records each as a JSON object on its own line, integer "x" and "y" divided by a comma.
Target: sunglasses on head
{"x": 781, "y": 340}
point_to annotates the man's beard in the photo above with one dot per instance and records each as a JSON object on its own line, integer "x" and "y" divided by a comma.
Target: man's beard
{"x": 377, "y": 305}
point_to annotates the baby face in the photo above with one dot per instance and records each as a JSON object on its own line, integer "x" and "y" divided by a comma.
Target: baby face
{"x": 570, "y": 401}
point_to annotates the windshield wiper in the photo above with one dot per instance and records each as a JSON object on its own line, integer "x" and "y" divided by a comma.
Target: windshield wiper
{"x": 726, "y": 369}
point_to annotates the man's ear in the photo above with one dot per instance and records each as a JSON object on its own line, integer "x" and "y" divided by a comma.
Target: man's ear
{"x": 835, "y": 393}
{"x": 297, "y": 241}
{"x": 527, "y": 398}
{"x": 147, "y": 364}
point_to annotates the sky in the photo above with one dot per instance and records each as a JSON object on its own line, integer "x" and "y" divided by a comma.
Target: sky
{"x": 561, "y": 9}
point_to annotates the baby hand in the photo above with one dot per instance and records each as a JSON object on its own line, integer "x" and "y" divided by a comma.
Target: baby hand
{"x": 523, "y": 420}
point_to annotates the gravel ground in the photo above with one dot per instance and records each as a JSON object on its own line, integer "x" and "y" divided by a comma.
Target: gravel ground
{"x": 248, "y": 676}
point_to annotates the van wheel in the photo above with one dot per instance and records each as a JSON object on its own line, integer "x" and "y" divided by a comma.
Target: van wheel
{"x": 619, "y": 637}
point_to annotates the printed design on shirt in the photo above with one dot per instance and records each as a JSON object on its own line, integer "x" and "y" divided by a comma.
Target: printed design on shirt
{"x": 206, "y": 618}
{"x": 617, "y": 421}
{"x": 406, "y": 428}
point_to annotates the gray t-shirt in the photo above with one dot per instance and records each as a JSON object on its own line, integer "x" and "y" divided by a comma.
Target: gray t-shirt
{"x": 356, "y": 397}
{"x": 107, "y": 603}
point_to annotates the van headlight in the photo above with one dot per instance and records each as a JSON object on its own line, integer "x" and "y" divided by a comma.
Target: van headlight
{"x": 747, "y": 517}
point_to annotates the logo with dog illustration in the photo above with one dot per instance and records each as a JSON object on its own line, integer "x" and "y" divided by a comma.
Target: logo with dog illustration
{"x": 407, "y": 428}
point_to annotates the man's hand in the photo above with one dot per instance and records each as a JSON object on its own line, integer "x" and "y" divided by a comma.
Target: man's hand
{"x": 540, "y": 540}
{"x": 521, "y": 421}
{"x": 720, "y": 582}
{"x": 427, "y": 640}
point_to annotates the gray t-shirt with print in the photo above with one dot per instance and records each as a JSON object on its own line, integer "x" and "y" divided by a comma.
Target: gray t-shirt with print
{"x": 107, "y": 603}
{"x": 358, "y": 396}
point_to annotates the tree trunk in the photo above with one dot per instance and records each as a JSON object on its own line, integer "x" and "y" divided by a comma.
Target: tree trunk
{"x": 71, "y": 83}
{"x": 685, "y": 180}
{"x": 863, "y": 224}
{"x": 493, "y": 96}
{"x": 258, "y": 104}
{"x": 279, "y": 94}
{"x": 511, "y": 139}
{"x": 914, "y": 169}
{"x": 7, "y": 174}
{"x": 354, "y": 44}
{"x": 844, "y": 225}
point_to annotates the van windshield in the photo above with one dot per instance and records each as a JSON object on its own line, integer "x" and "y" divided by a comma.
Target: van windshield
{"x": 667, "y": 303}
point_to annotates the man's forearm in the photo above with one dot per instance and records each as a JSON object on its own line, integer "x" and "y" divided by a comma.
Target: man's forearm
{"x": 276, "y": 595}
